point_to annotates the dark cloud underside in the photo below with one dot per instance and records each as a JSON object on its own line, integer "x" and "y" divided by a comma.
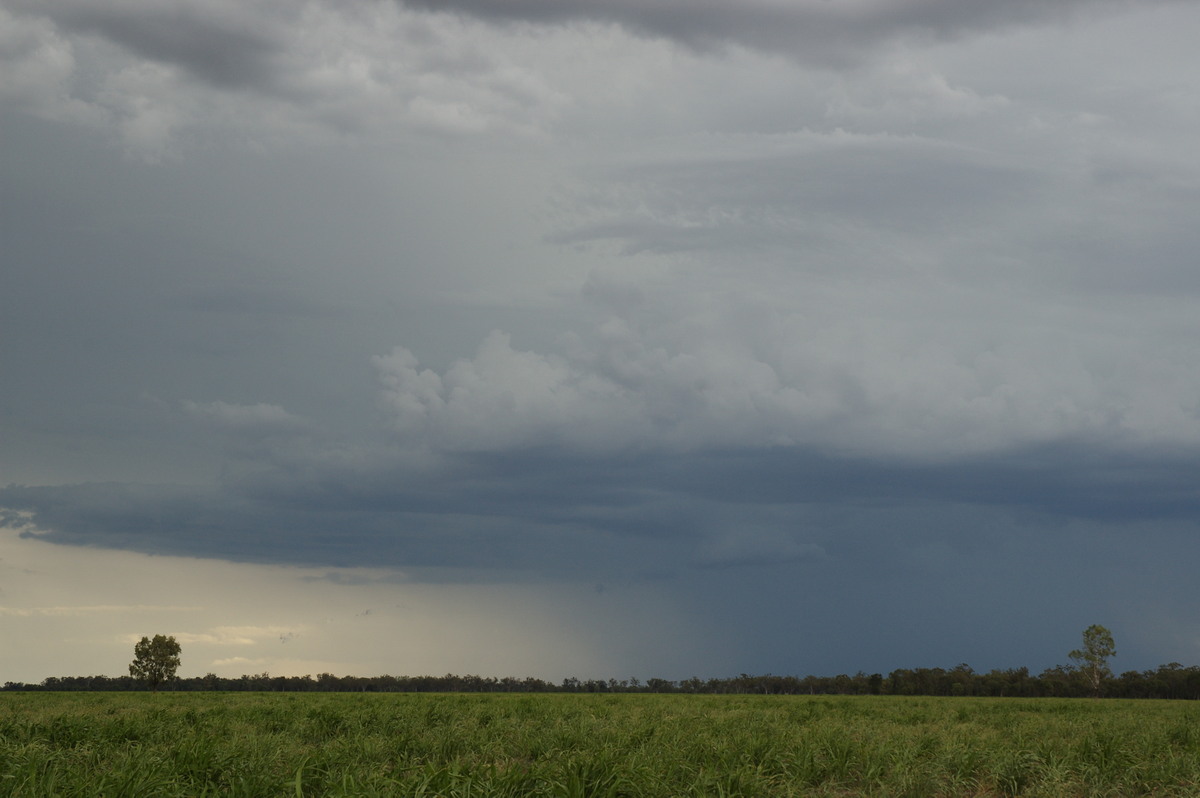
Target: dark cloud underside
{"x": 810, "y": 31}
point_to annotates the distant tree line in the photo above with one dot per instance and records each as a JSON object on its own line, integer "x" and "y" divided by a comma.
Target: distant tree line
{"x": 1167, "y": 681}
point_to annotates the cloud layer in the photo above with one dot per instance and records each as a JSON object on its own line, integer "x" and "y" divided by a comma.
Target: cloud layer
{"x": 809, "y": 31}
{"x": 845, "y": 308}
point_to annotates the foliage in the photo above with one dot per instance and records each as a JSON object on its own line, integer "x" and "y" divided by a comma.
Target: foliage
{"x": 1092, "y": 659}
{"x": 270, "y": 744}
{"x": 155, "y": 660}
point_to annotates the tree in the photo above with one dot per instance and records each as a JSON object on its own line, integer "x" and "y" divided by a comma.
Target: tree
{"x": 155, "y": 660}
{"x": 1092, "y": 659}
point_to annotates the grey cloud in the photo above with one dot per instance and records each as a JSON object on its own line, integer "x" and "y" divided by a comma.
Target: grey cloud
{"x": 250, "y": 300}
{"x": 545, "y": 513}
{"x": 261, "y": 418}
{"x": 819, "y": 191}
{"x": 695, "y": 377}
{"x": 732, "y": 535}
{"x": 424, "y": 532}
{"x": 1066, "y": 480}
{"x": 742, "y": 547}
{"x": 268, "y": 72}
{"x": 812, "y": 31}
{"x": 215, "y": 44}
{"x": 907, "y": 348}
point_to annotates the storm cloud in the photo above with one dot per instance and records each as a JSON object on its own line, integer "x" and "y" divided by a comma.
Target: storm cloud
{"x": 811, "y": 31}
{"x": 848, "y": 336}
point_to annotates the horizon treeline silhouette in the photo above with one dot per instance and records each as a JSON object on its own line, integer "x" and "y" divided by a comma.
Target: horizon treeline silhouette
{"x": 1170, "y": 681}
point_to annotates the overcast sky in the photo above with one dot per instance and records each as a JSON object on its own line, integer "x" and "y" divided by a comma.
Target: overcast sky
{"x": 602, "y": 338}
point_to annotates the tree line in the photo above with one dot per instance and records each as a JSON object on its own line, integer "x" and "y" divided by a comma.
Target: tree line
{"x": 157, "y": 659}
{"x": 1167, "y": 681}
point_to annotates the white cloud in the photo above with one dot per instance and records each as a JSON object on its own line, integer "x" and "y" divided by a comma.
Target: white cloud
{"x": 243, "y": 663}
{"x": 505, "y": 398}
{"x": 241, "y": 635}
{"x": 842, "y": 372}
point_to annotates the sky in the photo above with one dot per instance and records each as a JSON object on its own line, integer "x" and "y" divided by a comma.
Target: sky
{"x": 598, "y": 338}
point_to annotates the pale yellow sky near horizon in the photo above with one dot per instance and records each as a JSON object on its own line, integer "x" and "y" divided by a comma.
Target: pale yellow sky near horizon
{"x": 71, "y": 611}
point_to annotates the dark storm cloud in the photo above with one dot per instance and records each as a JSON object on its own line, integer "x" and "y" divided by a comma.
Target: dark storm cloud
{"x": 812, "y": 31}
{"x": 216, "y": 47}
{"x": 918, "y": 365}
{"x": 548, "y": 513}
{"x": 418, "y": 527}
{"x": 1065, "y": 480}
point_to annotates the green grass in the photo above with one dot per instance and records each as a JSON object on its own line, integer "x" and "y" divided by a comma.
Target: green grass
{"x": 273, "y": 744}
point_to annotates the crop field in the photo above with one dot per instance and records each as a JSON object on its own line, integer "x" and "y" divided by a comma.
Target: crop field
{"x": 281, "y": 744}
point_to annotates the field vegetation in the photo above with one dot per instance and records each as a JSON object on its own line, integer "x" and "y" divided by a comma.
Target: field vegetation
{"x": 342, "y": 744}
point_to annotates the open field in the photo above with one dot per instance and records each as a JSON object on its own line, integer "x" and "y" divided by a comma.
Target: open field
{"x": 278, "y": 744}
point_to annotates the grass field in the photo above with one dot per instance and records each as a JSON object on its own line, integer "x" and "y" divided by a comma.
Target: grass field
{"x": 281, "y": 744}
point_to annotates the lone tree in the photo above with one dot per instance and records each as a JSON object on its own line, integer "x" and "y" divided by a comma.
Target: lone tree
{"x": 155, "y": 660}
{"x": 1092, "y": 659}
